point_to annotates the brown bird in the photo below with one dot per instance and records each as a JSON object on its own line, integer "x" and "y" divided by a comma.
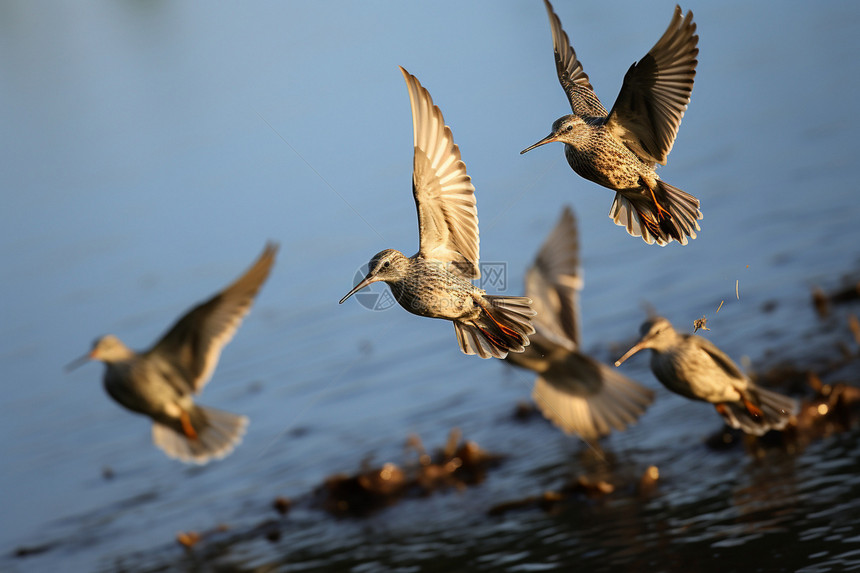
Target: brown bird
{"x": 619, "y": 149}
{"x": 695, "y": 368}
{"x": 577, "y": 393}
{"x": 435, "y": 281}
{"x": 160, "y": 383}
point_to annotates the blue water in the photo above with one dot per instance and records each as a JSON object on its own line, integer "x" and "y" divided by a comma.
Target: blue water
{"x": 150, "y": 149}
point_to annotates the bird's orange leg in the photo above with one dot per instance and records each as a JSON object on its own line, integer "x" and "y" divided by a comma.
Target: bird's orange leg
{"x": 660, "y": 209}
{"x": 754, "y": 410}
{"x": 650, "y": 223}
{"x": 721, "y": 409}
{"x": 189, "y": 430}
{"x": 507, "y": 330}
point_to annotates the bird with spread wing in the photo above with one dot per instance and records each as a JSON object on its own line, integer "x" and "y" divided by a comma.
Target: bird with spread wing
{"x": 435, "y": 281}
{"x": 574, "y": 391}
{"x": 161, "y": 382}
{"x": 619, "y": 149}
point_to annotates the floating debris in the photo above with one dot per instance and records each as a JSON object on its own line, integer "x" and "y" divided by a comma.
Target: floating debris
{"x": 282, "y": 505}
{"x": 550, "y": 500}
{"x": 546, "y": 501}
{"x": 524, "y": 411}
{"x": 648, "y": 481}
{"x": 821, "y": 302}
{"x": 27, "y": 551}
{"x": 591, "y": 488}
{"x": 854, "y": 325}
{"x": 700, "y": 324}
{"x": 188, "y": 539}
{"x": 721, "y": 306}
{"x": 459, "y": 464}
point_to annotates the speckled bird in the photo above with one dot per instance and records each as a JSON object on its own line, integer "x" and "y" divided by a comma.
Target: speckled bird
{"x": 435, "y": 281}
{"x": 160, "y": 383}
{"x": 619, "y": 149}
{"x": 695, "y": 368}
{"x": 574, "y": 391}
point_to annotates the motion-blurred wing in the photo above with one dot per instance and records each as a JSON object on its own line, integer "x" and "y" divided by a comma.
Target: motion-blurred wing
{"x": 194, "y": 343}
{"x": 553, "y": 283}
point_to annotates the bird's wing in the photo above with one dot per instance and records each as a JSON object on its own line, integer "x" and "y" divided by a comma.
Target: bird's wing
{"x": 720, "y": 358}
{"x": 656, "y": 91}
{"x": 553, "y": 283}
{"x": 444, "y": 194}
{"x": 194, "y": 343}
{"x": 573, "y": 79}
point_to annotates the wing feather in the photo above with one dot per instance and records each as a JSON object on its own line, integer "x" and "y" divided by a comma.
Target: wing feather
{"x": 656, "y": 91}
{"x": 553, "y": 283}
{"x": 571, "y": 75}
{"x": 195, "y": 341}
{"x": 443, "y": 191}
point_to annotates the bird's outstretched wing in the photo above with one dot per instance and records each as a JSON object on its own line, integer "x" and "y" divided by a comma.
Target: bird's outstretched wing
{"x": 194, "y": 343}
{"x": 573, "y": 79}
{"x": 655, "y": 93}
{"x": 553, "y": 283}
{"x": 444, "y": 194}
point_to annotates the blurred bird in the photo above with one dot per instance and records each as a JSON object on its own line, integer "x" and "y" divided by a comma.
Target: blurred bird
{"x": 160, "y": 382}
{"x": 619, "y": 149}
{"x": 694, "y": 367}
{"x": 577, "y": 393}
{"x": 435, "y": 281}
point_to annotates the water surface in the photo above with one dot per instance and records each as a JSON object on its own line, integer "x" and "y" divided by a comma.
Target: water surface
{"x": 151, "y": 149}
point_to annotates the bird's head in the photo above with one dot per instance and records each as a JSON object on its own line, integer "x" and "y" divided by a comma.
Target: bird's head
{"x": 106, "y": 349}
{"x": 389, "y": 265}
{"x": 567, "y": 129}
{"x": 656, "y": 333}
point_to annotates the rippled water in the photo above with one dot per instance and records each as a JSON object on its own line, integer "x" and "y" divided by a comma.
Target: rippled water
{"x": 151, "y": 149}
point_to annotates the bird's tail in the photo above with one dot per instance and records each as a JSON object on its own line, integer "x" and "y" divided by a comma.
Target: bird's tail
{"x": 760, "y": 411}
{"x": 589, "y": 401}
{"x": 662, "y": 215}
{"x": 212, "y": 435}
{"x": 502, "y": 327}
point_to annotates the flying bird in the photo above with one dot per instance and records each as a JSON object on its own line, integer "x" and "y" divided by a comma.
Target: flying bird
{"x": 436, "y": 281}
{"x": 576, "y": 392}
{"x": 620, "y": 148}
{"x": 161, "y": 382}
{"x": 695, "y": 368}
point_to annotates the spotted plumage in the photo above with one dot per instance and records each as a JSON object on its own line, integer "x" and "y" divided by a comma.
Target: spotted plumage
{"x": 620, "y": 148}
{"x": 695, "y": 368}
{"x": 434, "y": 282}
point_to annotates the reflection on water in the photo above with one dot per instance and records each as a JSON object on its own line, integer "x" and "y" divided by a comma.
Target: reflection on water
{"x": 151, "y": 148}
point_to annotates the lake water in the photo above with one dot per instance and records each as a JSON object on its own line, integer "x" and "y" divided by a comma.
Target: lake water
{"x": 150, "y": 149}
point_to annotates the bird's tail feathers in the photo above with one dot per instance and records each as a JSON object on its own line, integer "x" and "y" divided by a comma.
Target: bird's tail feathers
{"x": 614, "y": 404}
{"x": 503, "y": 327}
{"x": 218, "y": 433}
{"x": 678, "y": 220}
{"x": 763, "y": 410}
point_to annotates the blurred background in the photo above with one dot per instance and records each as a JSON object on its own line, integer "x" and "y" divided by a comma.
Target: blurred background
{"x": 150, "y": 149}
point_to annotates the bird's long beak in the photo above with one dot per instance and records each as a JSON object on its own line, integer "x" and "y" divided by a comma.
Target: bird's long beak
{"x": 636, "y": 348}
{"x": 366, "y": 281}
{"x": 548, "y": 139}
{"x": 78, "y": 362}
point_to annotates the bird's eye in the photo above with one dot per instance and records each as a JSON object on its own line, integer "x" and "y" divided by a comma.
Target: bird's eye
{"x": 386, "y": 264}
{"x": 569, "y": 127}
